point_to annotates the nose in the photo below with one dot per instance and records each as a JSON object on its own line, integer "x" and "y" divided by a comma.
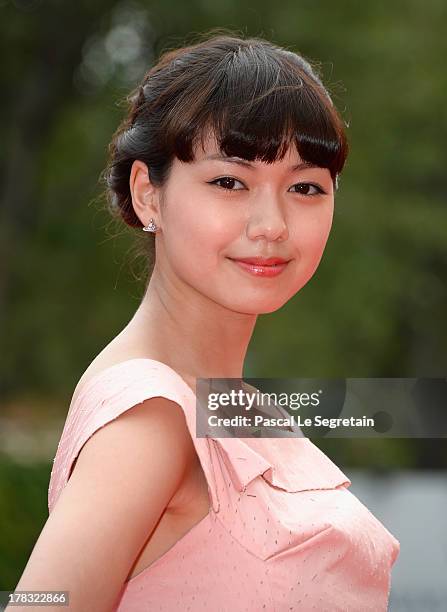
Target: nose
{"x": 266, "y": 220}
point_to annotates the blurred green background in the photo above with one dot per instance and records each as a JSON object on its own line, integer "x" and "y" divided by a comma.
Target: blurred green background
{"x": 376, "y": 306}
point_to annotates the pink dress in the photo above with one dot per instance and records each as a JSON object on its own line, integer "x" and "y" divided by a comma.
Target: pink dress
{"x": 283, "y": 531}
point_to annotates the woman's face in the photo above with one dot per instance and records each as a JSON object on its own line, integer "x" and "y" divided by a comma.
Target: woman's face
{"x": 215, "y": 211}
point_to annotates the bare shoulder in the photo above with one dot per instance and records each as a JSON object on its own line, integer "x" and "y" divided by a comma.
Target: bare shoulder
{"x": 125, "y": 476}
{"x": 112, "y": 355}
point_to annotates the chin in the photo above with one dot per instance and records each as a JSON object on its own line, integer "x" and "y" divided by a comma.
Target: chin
{"x": 256, "y": 307}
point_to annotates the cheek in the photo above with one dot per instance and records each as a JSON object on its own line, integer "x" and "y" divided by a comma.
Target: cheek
{"x": 312, "y": 227}
{"x": 198, "y": 234}
{"x": 310, "y": 235}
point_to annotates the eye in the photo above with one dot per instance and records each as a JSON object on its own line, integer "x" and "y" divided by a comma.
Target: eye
{"x": 305, "y": 187}
{"x": 227, "y": 182}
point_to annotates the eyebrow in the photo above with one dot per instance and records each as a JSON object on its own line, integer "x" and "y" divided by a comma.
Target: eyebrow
{"x": 247, "y": 164}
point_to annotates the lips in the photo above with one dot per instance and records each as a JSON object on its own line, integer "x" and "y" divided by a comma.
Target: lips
{"x": 262, "y": 261}
{"x": 266, "y": 267}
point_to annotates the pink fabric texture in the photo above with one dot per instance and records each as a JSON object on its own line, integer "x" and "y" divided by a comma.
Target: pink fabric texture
{"x": 283, "y": 531}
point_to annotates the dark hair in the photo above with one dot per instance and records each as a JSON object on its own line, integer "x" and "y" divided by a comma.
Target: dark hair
{"x": 252, "y": 95}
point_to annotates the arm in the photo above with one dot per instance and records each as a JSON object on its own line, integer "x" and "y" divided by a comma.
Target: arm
{"x": 124, "y": 477}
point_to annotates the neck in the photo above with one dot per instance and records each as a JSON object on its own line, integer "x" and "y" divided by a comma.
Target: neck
{"x": 193, "y": 334}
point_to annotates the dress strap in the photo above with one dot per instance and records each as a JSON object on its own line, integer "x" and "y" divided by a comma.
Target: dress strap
{"x": 109, "y": 394}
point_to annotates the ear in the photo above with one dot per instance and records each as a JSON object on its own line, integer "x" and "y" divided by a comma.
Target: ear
{"x": 145, "y": 197}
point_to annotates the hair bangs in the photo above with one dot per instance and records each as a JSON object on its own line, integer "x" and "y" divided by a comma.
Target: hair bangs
{"x": 260, "y": 105}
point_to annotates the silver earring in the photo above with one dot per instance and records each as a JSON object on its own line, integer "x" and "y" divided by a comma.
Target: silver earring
{"x": 151, "y": 227}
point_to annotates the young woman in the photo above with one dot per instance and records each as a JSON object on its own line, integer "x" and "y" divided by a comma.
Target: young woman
{"x": 229, "y": 159}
